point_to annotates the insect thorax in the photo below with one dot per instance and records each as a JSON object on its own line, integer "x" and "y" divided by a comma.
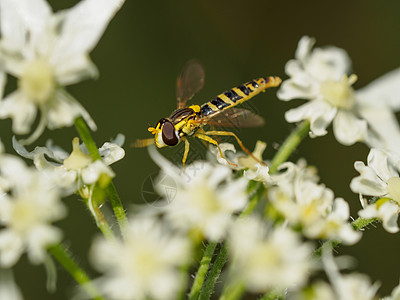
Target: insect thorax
{"x": 184, "y": 119}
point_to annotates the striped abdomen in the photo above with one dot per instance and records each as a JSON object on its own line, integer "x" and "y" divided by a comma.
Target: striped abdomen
{"x": 238, "y": 95}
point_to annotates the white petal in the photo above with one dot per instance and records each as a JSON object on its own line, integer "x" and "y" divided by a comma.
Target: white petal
{"x": 319, "y": 113}
{"x": 329, "y": 63}
{"x": 378, "y": 161}
{"x": 63, "y": 110}
{"x": 389, "y": 213}
{"x": 33, "y": 13}
{"x": 83, "y": 25}
{"x": 260, "y": 174}
{"x": 74, "y": 68}
{"x": 289, "y": 90}
{"x": 367, "y": 183}
{"x": 12, "y": 29}
{"x": 348, "y": 129}
{"x": 91, "y": 173}
{"x": 11, "y": 248}
{"x": 294, "y": 69}
{"x": 304, "y": 48}
{"x": 39, "y": 239}
{"x": 20, "y": 109}
{"x": 111, "y": 153}
{"x": 341, "y": 209}
{"x": 385, "y": 131}
{"x": 382, "y": 91}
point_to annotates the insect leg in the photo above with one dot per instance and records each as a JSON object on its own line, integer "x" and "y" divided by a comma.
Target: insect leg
{"x": 186, "y": 152}
{"x": 214, "y": 142}
{"x": 228, "y": 133}
{"x": 142, "y": 143}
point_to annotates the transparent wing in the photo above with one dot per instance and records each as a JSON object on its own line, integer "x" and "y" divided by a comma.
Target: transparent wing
{"x": 235, "y": 117}
{"x": 189, "y": 82}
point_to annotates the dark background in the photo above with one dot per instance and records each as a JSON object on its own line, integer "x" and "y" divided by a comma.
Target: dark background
{"x": 143, "y": 51}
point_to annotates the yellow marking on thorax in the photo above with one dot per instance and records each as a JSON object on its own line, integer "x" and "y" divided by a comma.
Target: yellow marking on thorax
{"x": 196, "y": 108}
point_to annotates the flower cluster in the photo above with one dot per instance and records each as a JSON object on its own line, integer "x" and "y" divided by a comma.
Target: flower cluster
{"x": 29, "y": 204}
{"x": 47, "y": 52}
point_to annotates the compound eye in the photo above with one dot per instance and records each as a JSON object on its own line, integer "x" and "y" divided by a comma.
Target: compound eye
{"x": 169, "y": 135}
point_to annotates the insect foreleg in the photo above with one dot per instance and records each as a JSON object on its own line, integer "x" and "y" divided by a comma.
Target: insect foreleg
{"x": 228, "y": 133}
{"x": 214, "y": 142}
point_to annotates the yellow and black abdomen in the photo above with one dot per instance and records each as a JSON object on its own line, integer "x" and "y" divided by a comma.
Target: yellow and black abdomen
{"x": 238, "y": 95}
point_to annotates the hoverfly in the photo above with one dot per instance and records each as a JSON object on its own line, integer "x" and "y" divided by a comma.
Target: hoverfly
{"x": 189, "y": 121}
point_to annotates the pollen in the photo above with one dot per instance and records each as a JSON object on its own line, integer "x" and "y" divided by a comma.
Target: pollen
{"x": 339, "y": 93}
{"x": 37, "y": 81}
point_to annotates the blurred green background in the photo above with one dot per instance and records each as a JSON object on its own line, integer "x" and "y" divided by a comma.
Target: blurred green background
{"x": 143, "y": 51}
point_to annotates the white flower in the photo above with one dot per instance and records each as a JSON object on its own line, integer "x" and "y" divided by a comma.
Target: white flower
{"x": 145, "y": 265}
{"x": 379, "y": 179}
{"x": 26, "y": 212}
{"x": 321, "y": 76}
{"x": 301, "y": 201}
{"x": 266, "y": 258}
{"x": 77, "y": 168}
{"x": 204, "y": 198}
{"x": 46, "y": 52}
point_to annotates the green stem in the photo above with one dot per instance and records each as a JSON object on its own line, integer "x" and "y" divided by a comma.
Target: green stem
{"x": 360, "y": 223}
{"x": 289, "y": 145}
{"x": 99, "y": 217}
{"x": 117, "y": 207}
{"x": 273, "y": 295}
{"x": 86, "y": 137}
{"x": 61, "y": 254}
{"x": 257, "y": 191}
{"x": 202, "y": 271}
{"x": 214, "y": 273}
{"x": 233, "y": 291}
{"x": 110, "y": 189}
